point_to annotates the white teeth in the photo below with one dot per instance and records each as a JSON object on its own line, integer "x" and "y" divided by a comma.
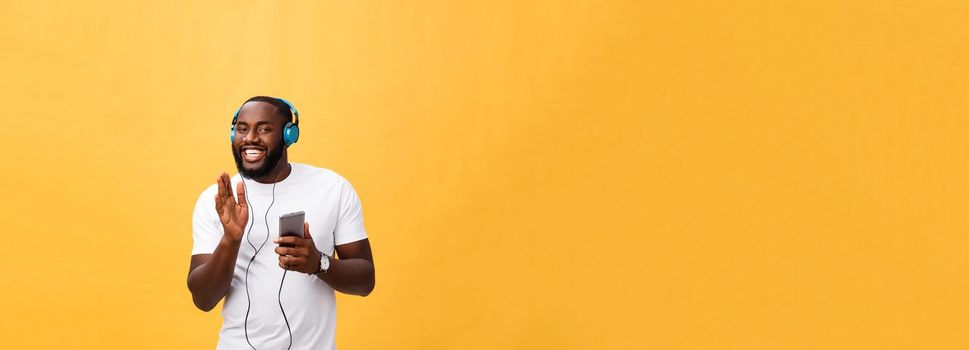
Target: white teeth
{"x": 252, "y": 154}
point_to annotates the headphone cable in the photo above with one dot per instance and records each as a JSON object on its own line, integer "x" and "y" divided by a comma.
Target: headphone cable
{"x": 279, "y": 296}
{"x": 248, "y": 240}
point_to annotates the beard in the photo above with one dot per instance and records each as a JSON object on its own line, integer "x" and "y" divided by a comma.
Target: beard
{"x": 272, "y": 158}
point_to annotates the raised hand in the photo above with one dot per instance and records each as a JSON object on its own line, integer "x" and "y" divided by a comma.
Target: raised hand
{"x": 234, "y": 216}
{"x": 298, "y": 253}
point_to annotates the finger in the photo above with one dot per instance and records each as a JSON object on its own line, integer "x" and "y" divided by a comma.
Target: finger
{"x": 218, "y": 204}
{"x": 287, "y": 240}
{"x": 306, "y": 231}
{"x": 220, "y": 195}
{"x": 285, "y": 260}
{"x": 218, "y": 182}
{"x": 286, "y": 251}
{"x": 223, "y": 184}
{"x": 230, "y": 201}
{"x": 303, "y": 242}
{"x": 283, "y": 266}
{"x": 241, "y": 191}
{"x": 291, "y": 260}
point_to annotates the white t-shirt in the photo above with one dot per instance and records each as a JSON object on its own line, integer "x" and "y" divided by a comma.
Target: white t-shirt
{"x": 335, "y": 218}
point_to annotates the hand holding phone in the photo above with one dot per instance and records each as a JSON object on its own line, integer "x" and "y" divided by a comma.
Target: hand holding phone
{"x": 299, "y": 253}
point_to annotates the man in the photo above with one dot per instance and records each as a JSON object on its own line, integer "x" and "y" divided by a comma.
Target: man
{"x": 278, "y": 295}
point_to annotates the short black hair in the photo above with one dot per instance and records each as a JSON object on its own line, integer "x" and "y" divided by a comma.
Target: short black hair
{"x": 282, "y": 109}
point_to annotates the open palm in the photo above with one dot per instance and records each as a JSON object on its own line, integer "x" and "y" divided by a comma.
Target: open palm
{"x": 234, "y": 216}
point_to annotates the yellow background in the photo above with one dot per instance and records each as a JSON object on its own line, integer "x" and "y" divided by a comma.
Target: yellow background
{"x": 534, "y": 174}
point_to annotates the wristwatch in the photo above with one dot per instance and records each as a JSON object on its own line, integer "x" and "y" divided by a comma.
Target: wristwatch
{"x": 324, "y": 264}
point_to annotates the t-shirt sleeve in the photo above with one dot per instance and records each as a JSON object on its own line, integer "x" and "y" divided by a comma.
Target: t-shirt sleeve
{"x": 349, "y": 226}
{"x": 206, "y": 227}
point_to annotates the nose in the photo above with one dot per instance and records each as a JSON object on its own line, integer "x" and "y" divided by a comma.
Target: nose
{"x": 249, "y": 135}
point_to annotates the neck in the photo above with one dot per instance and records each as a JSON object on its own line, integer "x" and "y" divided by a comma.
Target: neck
{"x": 279, "y": 173}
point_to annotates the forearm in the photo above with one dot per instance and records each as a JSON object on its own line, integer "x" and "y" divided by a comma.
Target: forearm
{"x": 210, "y": 281}
{"x": 351, "y": 276}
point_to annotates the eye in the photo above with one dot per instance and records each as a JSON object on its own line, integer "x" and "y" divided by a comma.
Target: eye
{"x": 265, "y": 129}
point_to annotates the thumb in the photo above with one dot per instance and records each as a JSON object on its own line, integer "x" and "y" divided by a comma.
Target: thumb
{"x": 306, "y": 231}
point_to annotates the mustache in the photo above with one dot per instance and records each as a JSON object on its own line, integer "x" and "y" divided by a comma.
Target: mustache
{"x": 249, "y": 145}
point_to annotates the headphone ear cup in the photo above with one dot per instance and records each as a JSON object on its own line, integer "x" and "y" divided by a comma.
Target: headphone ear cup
{"x": 232, "y": 130}
{"x": 290, "y": 134}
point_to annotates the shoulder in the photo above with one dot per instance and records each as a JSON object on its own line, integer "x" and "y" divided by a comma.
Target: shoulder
{"x": 319, "y": 175}
{"x": 206, "y": 200}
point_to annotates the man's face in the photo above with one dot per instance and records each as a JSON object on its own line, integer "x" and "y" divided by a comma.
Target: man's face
{"x": 258, "y": 145}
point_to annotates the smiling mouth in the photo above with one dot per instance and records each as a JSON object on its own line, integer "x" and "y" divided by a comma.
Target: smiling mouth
{"x": 252, "y": 155}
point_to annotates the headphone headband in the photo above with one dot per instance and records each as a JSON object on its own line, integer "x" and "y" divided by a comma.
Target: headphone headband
{"x": 292, "y": 111}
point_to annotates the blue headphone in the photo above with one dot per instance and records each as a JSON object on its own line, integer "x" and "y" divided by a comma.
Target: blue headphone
{"x": 290, "y": 131}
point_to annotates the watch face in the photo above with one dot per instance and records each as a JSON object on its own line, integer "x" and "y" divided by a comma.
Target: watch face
{"x": 325, "y": 263}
